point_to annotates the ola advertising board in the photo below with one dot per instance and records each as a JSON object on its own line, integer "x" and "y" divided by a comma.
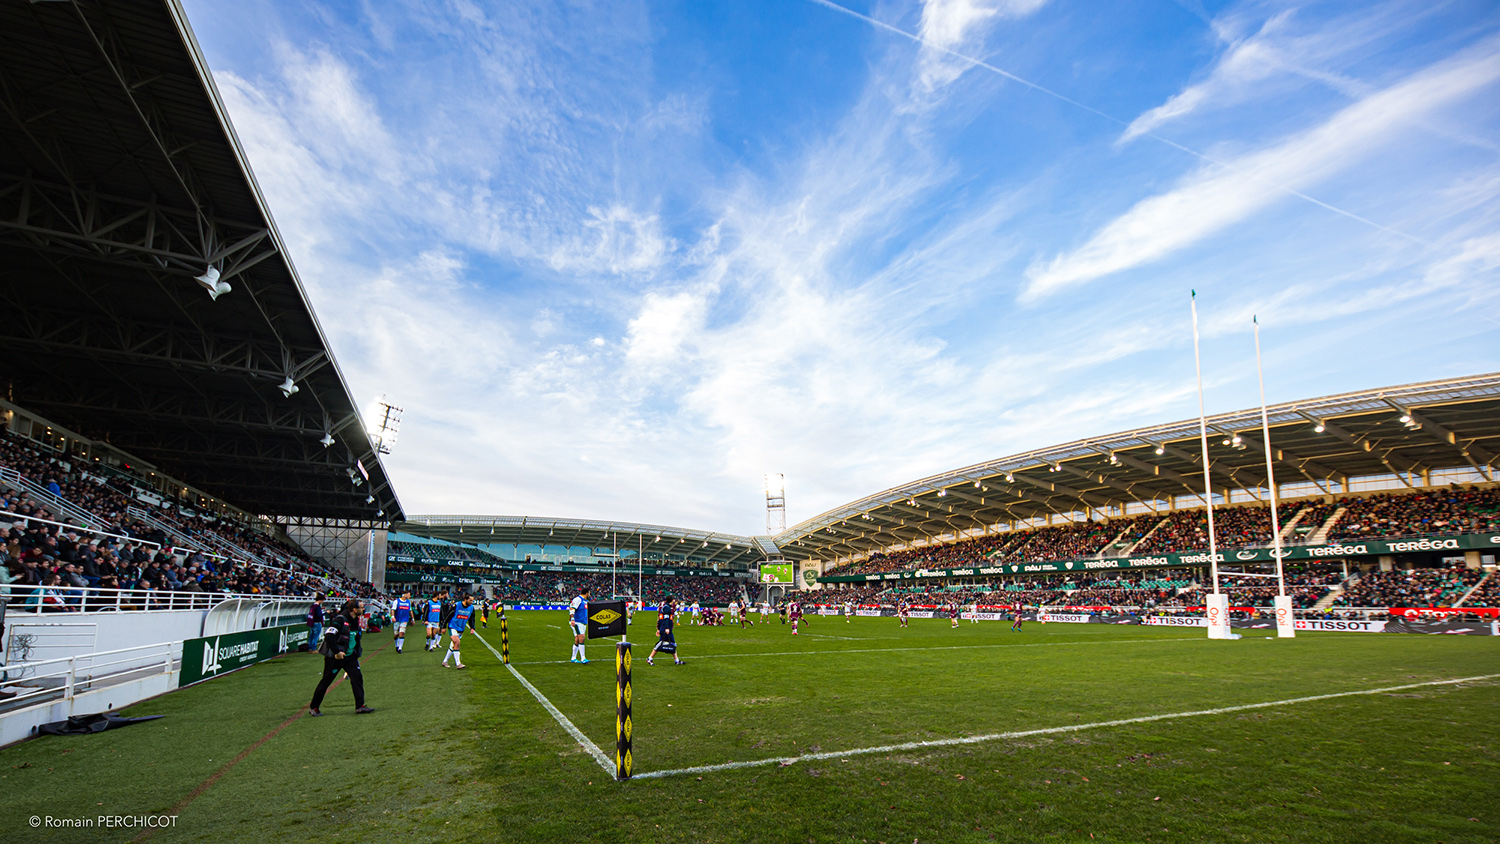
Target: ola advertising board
{"x": 777, "y": 573}
{"x": 210, "y": 656}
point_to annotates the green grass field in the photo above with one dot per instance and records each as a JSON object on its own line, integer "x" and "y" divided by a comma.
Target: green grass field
{"x": 473, "y": 756}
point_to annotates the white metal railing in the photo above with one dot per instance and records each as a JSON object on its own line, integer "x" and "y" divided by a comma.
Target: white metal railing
{"x": 57, "y": 502}
{"x": 25, "y": 684}
{"x": 137, "y": 512}
{"x": 39, "y": 600}
{"x": 249, "y": 613}
{"x": 78, "y": 528}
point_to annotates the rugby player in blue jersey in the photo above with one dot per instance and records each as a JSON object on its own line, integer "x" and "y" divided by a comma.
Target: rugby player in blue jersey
{"x": 462, "y": 619}
{"x": 434, "y": 620}
{"x": 666, "y": 640}
{"x": 400, "y": 617}
{"x": 578, "y": 620}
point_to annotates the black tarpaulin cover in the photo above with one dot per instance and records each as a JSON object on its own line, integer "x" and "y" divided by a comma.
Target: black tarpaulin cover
{"x": 78, "y": 725}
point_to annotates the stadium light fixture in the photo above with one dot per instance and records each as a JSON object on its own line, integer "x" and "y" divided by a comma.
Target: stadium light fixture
{"x": 369, "y": 499}
{"x": 1226, "y": 441}
{"x": 1406, "y": 417}
{"x": 942, "y": 493}
{"x": 1161, "y": 449}
{"x": 1235, "y": 439}
{"x": 211, "y": 283}
{"x": 327, "y": 440}
{"x": 288, "y": 387}
{"x": 1318, "y": 428}
{"x": 1010, "y": 478}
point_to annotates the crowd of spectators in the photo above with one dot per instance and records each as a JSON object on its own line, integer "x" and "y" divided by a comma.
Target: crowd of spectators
{"x": 1071, "y": 541}
{"x": 1453, "y": 510}
{"x": 560, "y": 587}
{"x": 1306, "y": 584}
{"x": 1234, "y": 527}
{"x": 61, "y": 569}
{"x": 1422, "y": 587}
{"x": 1159, "y": 588}
{"x": 1488, "y": 593}
{"x": 68, "y": 566}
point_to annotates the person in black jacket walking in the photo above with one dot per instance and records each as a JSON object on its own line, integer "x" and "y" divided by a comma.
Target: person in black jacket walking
{"x": 341, "y": 650}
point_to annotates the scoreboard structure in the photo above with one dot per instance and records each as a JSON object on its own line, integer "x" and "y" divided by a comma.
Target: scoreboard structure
{"x": 777, "y": 573}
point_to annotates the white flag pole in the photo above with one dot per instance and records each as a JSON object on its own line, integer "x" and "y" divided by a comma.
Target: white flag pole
{"x": 1283, "y": 603}
{"x": 1217, "y": 605}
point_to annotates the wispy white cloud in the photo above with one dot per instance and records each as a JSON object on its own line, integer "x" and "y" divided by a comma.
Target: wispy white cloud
{"x": 1217, "y": 196}
{"x": 1266, "y": 54}
{"x": 950, "y": 24}
{"x": 1246, "y": 61}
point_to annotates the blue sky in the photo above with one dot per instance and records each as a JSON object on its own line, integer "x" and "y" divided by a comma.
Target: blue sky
{"x": 617, "y": 260}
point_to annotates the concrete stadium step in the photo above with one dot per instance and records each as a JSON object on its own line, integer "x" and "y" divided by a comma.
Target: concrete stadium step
{"x": 1319, "y": 536}
{"x": 1474, "y": 588}
{"x": 1288, "y": 528}
{"x": 1333, "y": 594}
{"x": 1327, "y": 600}
{"x": 1144, "y": 537}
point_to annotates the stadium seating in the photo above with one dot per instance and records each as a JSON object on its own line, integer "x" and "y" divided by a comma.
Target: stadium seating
{"x": 1454, "y": 510}
{"x": 69, "y": 567}
{"x": 1440, "y": 587}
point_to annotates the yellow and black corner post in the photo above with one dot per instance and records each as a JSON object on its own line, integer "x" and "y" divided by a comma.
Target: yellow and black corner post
{"x": 624, "y": 763}
{"x": 504, "y": 639}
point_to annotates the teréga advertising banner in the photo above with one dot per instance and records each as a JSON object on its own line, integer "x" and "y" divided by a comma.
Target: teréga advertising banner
{"x": 1335, "y": 550}
{"x": 211, "y": 656}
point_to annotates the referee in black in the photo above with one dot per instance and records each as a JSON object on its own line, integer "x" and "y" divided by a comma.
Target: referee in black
{"x": 341, "y": 648}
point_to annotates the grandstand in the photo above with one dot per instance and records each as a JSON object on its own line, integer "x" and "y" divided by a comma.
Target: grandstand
{"x": 173, "y": 411}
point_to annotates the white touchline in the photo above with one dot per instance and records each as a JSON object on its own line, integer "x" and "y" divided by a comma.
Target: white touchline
{"x": 898, "y": 650}
{"x": 577, "y": 734}
{"x": 919, "y": 745}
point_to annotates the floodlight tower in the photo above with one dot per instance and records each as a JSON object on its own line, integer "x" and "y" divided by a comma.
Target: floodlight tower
{"x": 388, "y": 424}
{"x": 775, "y": 503}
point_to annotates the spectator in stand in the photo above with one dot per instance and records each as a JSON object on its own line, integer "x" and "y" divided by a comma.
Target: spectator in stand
{"x": 315, "y": 620}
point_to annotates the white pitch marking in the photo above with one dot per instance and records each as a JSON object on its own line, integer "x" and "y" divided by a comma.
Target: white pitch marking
{"x": 920, "y": 745}
{"x": 577, "y": 734}
{"x": 898, "y": 650}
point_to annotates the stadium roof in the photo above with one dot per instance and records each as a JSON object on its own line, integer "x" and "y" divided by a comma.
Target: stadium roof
{"x": 121, "y": 180}
{"x": 1397, "y": 431}
{"x": 706, "y": 547}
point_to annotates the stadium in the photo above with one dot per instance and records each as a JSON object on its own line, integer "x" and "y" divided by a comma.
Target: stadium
{"x": 1272, "y": 623}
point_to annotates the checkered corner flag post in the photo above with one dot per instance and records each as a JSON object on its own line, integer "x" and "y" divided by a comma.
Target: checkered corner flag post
{"x": 624, "y": 761}
{"x": 607, "y": 618}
